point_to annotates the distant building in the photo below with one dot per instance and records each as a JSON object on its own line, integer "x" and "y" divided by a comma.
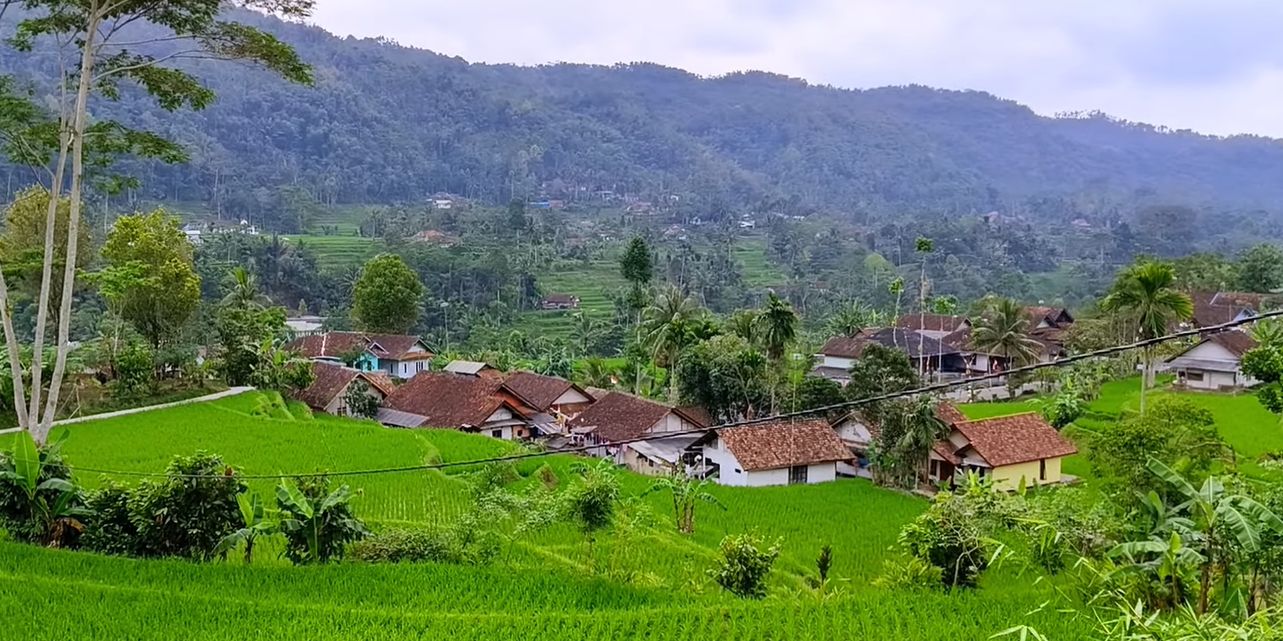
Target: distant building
{"x": 617, "y": 417}
{"x": 927, "y": 354}
{"x": 329, "y": 388}
{"x": 1022, "y": 449}
{"x": 469, "y": 403}
{"x": 472, "y": 368}
{"x": 1216, "y": 308}
{"x": 398, "y": 355}
{"x": 301, "y": 326}
{"x": 436, "y": 237}
{"x": 560, "y": 301}
{"x": 1215, "y": 363}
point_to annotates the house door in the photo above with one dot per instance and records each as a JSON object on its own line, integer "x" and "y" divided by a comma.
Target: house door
{"x": 797, "y": 475}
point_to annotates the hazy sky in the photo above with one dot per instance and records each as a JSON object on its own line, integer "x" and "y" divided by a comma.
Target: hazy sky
{"x": 1212, "y": 65}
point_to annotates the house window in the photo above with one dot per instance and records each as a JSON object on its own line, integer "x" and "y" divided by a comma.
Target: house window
{"x": 497, "y": 433}
{"x": 1194, "y": 376}
{"x": 1042, "y": 469}
{"x": 797, "y": 475}
{"x": 419, "y": 366}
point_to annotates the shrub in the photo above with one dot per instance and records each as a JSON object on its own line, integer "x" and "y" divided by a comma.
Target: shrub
{"x": 110, "y": 529}
{"x": 38, "y": 502}
{"x": 316, "y": 522}
{"x": 743, "y": 567}
{"x": 359, "y": 401}
{"x": 459, "y": 545}
{"x": 135, "y": 370}
{"x": 949, "y": 536}
{"x": 188, "y": 513}
{"x": 909, "y": 573}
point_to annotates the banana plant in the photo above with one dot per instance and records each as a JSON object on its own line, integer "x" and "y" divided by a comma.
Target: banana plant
{"x": 317, "y": 528}
{"x": 255, "y": 526}
{"x": 51, "y": 506}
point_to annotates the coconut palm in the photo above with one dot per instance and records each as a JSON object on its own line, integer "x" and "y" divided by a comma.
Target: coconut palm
{"x": 1003, "y": 330}
{"x": 743, "y": 323}
{"x": 777, "y": 326}
{"x": 242, "y": 290}
{"x": 666, "y": 330}
{"x": 1146, "y": 295}
{"x": 852, "y": 318}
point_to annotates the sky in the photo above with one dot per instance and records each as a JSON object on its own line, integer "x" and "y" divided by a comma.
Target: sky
{"x": 1215, "y": 66}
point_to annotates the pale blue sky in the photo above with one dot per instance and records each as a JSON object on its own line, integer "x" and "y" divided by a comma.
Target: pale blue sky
{"x": 1214, "y": 66}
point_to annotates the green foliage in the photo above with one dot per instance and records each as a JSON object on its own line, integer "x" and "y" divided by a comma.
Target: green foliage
{"x": 950, "y": 535}
{"x": 743, "y": 566}
{"x": 454, "y": 545}
{"x": 388, "y": 296}
{"x": 135, "y": 367}
{"x": 189, "y": 512}
{"x": 1265, "y": 364}
{"x": 880, "y": 370}
{"x": 22, "y": 243}
{"x": 906, "y": 573}
{"x": 281, "y": 370}
{"x": 1174, "y": 431}
{"x": 165, "y": 291}
{"x": 317, "y": 523}
{"x": 38, "y": 502}
{"x": 815, "y": 391}
{"x": 1063, "y": 408}
{"x": 777, "y": 326}
{"x": 909, "y": 428}
{"x": 636, "y": 264}
{"x": 252, "y": 527}
{"x": 242, "y": 332}
{"x": 591, "y": 500}
{"x": 359, "y": 401}
{"x": 687, "y": 493}
{"x": 112, "y": 529}
{"x": 726, "y": 376}
{"x": 1260, "y": 269}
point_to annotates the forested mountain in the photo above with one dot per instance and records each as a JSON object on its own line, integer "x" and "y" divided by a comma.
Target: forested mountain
{"x": 387, "y": 123}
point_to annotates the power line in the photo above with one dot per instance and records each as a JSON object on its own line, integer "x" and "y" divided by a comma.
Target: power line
{"x": 835, "y": 407}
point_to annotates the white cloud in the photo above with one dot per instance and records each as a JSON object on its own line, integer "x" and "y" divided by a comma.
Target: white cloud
{"x": 1213, "y": 67}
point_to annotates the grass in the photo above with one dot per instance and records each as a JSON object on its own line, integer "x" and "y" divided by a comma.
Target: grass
{"x": 338, "y": 251}
{"x": 543, "y": 586}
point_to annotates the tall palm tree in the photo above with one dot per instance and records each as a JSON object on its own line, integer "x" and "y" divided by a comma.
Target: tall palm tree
{"x": 744, "y": 323}
{"x": 1003, "y": 330}
{"x": 777, "y": 326}
{"x": 1146, "y": 294}
{"x": 666, "y": 329}
{"x": 242, "y": 289}
{"x": 852, "y": 318}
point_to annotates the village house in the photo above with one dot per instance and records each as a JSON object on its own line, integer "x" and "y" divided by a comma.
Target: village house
{"x": 329, "y": 389}
{"x": 858, "y": 433}
{"x": 436, "y": 237}
{"x": 1216, "y": 308}
{"x": 617, "y": 417}
{"x": 559, "y": 301}
{"x": 301, "y": 326}
{"x": 1049, "y": 326}
{"x": 472, "y": 368}
{"x": 1022, "y": 449}
{"x": 468, "y": 403}
{"x": 927, "y": 354}
{"x": 396, "y": 355}
{"x": 936, "y": 326}
{"x": 1214, "y": 363}
{"x": 556, "y": 400}
{"x": 776, "y": 453}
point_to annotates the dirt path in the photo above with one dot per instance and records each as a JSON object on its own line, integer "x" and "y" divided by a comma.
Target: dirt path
{"x": 138, "y": 410}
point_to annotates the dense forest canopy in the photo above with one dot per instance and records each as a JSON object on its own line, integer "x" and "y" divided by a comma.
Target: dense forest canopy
{"x": 388, "y": 123}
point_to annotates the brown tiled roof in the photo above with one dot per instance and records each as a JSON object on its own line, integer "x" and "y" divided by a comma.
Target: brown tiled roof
{"x": 944, "y": 449}
{"x": 932, "y": 322}
{"x": 338, "y": 344}
{"x": 561, "y": 299}
{"x": 618, "y": 416}
{"x": 1215, "y": 308}
{"x": 453, "y": 400}
{"x": 959, "y": 340}
{"x": 844, "y": 346}
{"x": 539, "y": 391}
{"x": 1020, "y": 438}
{"x": 380, "y": 381}
{"x": 331, "y": 380}
{"x": 771, "y": 446}
{"x": 696, "y": 414}
{"x": 948, "y": 413}
{"x": 1248, "y": 300}
{"x": 1056, "y": 316}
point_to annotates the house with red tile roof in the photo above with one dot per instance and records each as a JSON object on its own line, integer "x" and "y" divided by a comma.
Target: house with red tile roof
{"x": 549, "y": 394}
{"x": 397, "y": 355}
{"x": 331, "y": 383}
{"x": 618, "y": 417}
{"x": 839, "y": 353}
{"x": 934, "y": 325}
{"x": 777, "y": 453}
{"x": 858, "y": 432}
{"x": 1021, "y": 449}
{"x": 1214, "y": 363}
{"x": 453, "y": 401}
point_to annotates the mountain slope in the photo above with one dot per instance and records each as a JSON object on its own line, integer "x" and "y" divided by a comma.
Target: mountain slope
{"x": 388, "y": 123}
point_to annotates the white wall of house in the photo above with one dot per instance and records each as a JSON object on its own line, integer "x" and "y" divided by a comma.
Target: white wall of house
{"x": 672, "y": 423}
{"x": 838, "y": 362}
{"x": 570, "y": 397}
{"x": 1210, "y": 351}
{"x": 732, "y": 474}
{"x": 406, "y": 369}
{"x": 1210, "y": 380}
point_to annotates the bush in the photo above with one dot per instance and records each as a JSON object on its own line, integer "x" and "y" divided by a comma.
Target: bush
{"x": 111, "y": 529}
{"x": 187, "y": 514}
{"x": 316, "y": 522}
{"x": 949, "y": 536}
{"x": 743, "y": 568}
{"x": 135, "y": 370}
{"x": 909, "y": 573}
{"x": 456, "y": 545}
{"x": 360, "y": 403}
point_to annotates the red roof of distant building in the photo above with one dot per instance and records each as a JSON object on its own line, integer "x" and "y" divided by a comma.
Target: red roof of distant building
{"x": 453, "y": 400}
{"x": 1020, "y": 438}
{"x": 769, "y": 446}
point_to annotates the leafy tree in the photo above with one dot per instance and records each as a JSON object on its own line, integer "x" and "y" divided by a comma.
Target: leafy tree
{"x": 317, "y": 523}
{"x": 879, "y": 371}
{"x": 591, "y": 501}
{"x": 953, "y": 534}
{"x": 1146, "y": 294}
{"x": 387, "y": 297}
{"x": 777, "y": 325}
{"x": 68, "y": 147}
{"x": 1260, "y": 269}
{"x": 1265, "y": 364}
{"x": 242, "y": 290}
{"x": 190, "y": 511}
{"x": 167, "y": 291}
{"x": 359, "y": 401}
{"x": 687, "y": 492}
{"x": 242, "y": 332}
{"x": 815, "y": 391}
{"x": 743, "y": 566}
{"x": 724, "y": 375}
{"x": 636, "y": 263}
{"x": 1175, "y": 431}
{"x": 22, "y": 242}
{"x": 745, "y": 324}
{"x": 908, "y": 430}
{"x": 1205, "y": 272}
{"x": 253, "y": 527}
{"x": 37, "y": 503}
{"x": 1003, "y": 330}
{"x": 851, "y": 318}
{"x": 281, "y": 370}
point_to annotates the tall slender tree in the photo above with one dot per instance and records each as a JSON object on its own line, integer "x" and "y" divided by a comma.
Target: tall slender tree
{"x": 667, "y": 330}
{"x": 1146, "y": 295}
{"x": 97, "y": 51}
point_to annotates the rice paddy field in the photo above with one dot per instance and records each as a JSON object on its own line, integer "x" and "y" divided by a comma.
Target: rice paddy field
{"x": 544, "y": 586}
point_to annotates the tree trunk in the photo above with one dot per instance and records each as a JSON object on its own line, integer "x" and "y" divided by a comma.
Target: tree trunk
{"x": 1144, "y": 376}
{"x": 15, "y": 356}
{"x": 79, "y": 125}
